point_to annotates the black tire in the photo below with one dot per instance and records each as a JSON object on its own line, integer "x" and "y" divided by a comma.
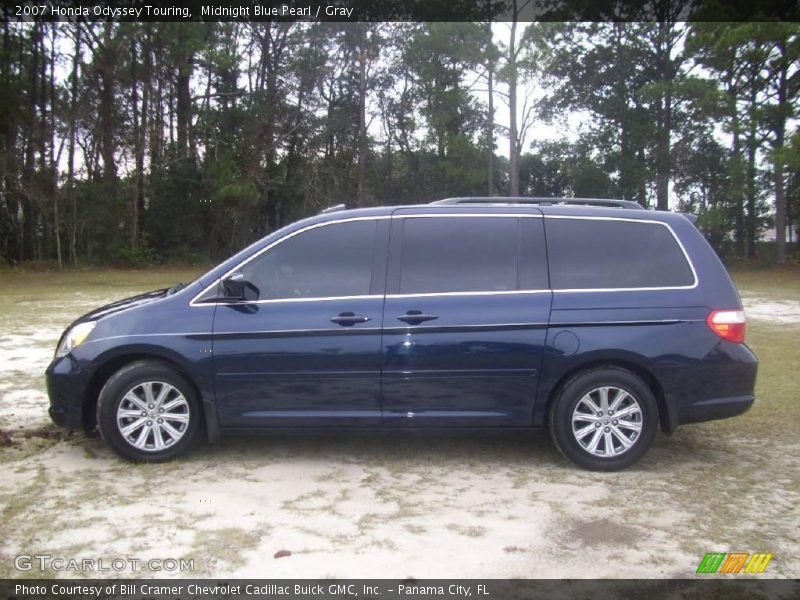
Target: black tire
{"x": 577, "y": 387}
{"x": 126, "y": 379}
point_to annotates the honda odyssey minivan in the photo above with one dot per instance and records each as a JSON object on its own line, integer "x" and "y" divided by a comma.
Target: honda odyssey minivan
{"x": 595, "y": 319}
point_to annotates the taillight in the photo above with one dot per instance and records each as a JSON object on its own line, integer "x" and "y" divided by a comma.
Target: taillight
{"x": 728, "y": 324}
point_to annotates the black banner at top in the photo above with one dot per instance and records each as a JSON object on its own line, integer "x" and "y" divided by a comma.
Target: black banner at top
{"x": 401, "y": 10}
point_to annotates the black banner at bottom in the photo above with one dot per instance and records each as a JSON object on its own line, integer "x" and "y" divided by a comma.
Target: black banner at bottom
{"x": 388, "y": 589}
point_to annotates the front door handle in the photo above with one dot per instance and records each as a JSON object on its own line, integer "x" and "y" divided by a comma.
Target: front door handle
{"x": 415, "y": 317}
{"x": 346, "y": 319}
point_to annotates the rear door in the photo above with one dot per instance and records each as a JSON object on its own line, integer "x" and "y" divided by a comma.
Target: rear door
{"x": 465, "y": 318}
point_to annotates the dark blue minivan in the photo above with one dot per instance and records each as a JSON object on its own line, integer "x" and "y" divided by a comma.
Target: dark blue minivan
{"x": 596, "y": 319}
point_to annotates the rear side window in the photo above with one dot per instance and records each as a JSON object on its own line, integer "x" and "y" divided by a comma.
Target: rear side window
{"x": 459, "y": 254}
{"x": 328, "y": 261}
{"x": 600, "y": 254}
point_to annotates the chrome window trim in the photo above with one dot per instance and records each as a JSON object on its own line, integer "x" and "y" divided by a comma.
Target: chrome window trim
{"x": 193, "y": 303}
{"x": 474, "y": 215}
{"x": 374, "y": 297}
{"x": 280, "y": 300}
{"x": 486, "y": 293}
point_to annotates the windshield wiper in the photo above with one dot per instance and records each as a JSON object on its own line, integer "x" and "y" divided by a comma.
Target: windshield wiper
{"x": 176, "y": 288}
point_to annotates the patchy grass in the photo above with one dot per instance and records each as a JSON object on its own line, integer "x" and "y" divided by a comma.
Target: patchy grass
{"x": 776, "y": 282}
{"x": 777, "y": 408}
{"x": 24, "y": 286}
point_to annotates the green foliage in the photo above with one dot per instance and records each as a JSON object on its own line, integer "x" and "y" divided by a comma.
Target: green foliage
{"x": 178, "y": 214}
{"x": 438, "y": 55}
{"x": 715, "y": 223}
{"x": 564, "y": 169}
{"x": 192, "y": 140}
{"x": 136, "y": 255}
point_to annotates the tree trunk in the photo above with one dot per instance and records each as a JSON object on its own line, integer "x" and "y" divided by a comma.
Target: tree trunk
{"x": 663, "y": 172}
{"x": 664, "y": 134}
{"x": 106, "y": 65}
{"x": 71, "y": 200}
{"x": 490, "y": 116}
{"x": 736, "y": 160}
{"x": 28, "y": 224}
{"x": 184, "y": 103}
{"x": 11, "y": 194}
{"x": 157, "y": 126}
{"x": 144, "y": 123}
{"x": 513, "y": 144}
{"x": 780, "y": 133}
{"x": 362, "y": 114}
{"x": 42, "y": 192}
{"x": 292, "y": 159}
{"x": 53, "y": 165}
{"x": 139, "y": 113}
{"x": 752, "y": 149}
{"x": 136, "y": 137}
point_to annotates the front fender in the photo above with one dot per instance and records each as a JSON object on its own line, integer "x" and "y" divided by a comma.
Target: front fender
{"x": 189, "y": 353}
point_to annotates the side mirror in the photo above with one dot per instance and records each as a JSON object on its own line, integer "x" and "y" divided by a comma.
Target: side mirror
{"x": 236, "y": 287}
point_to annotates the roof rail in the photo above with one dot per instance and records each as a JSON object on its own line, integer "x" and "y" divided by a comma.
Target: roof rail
{"x": 540, "y": 201}
{"x": 330, "y": 209}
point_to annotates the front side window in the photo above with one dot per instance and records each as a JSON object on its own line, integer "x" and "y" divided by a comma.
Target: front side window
{"x": 609, "y": 254}
{"x": 464, "y": 254}
{"x": 328, "y": 261}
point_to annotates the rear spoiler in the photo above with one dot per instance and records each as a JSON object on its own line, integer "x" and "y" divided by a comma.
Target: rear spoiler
{"x": 692, "y": 218}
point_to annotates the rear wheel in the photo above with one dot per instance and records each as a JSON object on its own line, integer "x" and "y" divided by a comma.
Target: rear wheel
{"x": 604, "y": 419}
{"x": 147, "y": 411}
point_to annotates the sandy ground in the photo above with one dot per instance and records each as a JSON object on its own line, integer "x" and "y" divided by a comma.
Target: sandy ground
{"x": 385, "y": 506}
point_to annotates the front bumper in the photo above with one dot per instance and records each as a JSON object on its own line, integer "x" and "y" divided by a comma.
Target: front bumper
{"x": 66, "y": 388}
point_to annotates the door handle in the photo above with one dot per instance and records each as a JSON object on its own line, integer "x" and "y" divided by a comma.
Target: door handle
{"x": 346, "y": 319}
{"x": 415, "y": 317}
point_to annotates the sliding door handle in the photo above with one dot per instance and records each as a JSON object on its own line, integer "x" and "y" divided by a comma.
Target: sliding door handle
{"x": 415, "y": 317}
{"x": 346, "y": 319}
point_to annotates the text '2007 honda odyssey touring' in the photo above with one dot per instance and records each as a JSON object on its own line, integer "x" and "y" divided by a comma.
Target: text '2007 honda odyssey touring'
{"x": 598, "y": 321}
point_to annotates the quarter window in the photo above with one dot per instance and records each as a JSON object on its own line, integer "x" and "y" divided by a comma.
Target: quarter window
{"x": 600, "y": 254}
{"x": 461, "y": 254}
{"x": 327, "y": 261}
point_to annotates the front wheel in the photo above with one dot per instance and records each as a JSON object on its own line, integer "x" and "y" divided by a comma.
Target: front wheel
{"x": 604, "y": 419}
{"x": 148, "y": 412}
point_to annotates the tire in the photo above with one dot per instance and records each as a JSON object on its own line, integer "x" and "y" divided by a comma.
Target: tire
{"x": 159, "y": 430}
{"x": 582, "y": 433}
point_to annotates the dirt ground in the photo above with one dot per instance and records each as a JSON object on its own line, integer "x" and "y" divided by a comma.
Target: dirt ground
{"x": 396, "y": 506}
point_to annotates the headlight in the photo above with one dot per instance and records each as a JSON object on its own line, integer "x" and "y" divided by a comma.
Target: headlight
{"x": 74, "y": 338}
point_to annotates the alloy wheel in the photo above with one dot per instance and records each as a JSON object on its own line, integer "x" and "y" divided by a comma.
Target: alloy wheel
{"x": 153, "y": 416}
{"x": 607, "y": 421}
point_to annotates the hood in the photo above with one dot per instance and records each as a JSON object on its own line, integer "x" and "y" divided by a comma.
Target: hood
{"x": 120, "y": 305}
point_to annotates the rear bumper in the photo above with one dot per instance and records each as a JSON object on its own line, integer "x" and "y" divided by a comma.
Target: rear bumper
{"x": 66, "y": 385}
{"x": 720, "y": 387}
{"x": 715, "y": 408}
